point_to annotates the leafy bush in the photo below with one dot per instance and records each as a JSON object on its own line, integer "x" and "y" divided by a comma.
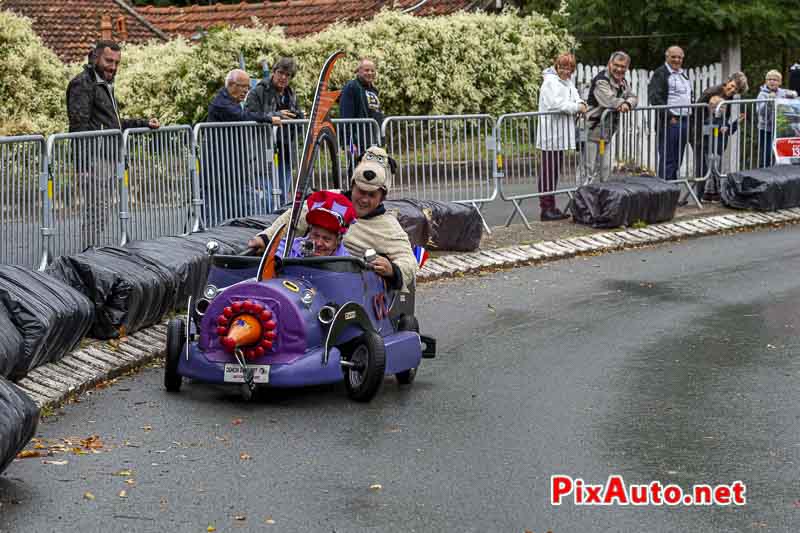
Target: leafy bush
{"x": 33, "y": 81}
{"x": 462, "y": 63}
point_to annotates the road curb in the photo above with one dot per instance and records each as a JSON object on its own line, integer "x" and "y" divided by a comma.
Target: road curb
{"x": 97, "y": 361}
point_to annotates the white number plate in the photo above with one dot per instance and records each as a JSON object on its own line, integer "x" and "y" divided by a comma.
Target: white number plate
{"x": 234, "y": 374}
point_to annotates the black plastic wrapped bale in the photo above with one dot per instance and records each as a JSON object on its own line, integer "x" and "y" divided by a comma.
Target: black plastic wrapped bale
{"x": 625, "y": 202}
{"x": 764, "y": 189}
{"x": 187, "y": 260}
{"x": 258, "y": 223}
{"x": 412, "y": 219}
{"x": 450, "y": 226}
{"x": 12, "y": 349}
{"x": 129, "y": 291}
{"x": 50, "y": 316}
{"x": 232, "y": 239}
{"x": 19, "y": 416}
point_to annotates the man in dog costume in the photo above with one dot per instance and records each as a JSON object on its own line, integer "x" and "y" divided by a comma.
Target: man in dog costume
{"x": 375, "y": 228}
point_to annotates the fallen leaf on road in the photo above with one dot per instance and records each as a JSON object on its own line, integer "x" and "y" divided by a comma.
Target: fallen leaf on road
{"x": 123, "y": 494}
{"x": 240, "y": 518}
{"x": 376, "y": 486}
{"x": 27, "y": 454}
{"x": 210, "y": 528}
{"x": 124, "y": 473}
{"x": 244, "y": 456}
{"x": 88, "y": 496}
{"x": 92, "y": 442}
{"x": 48, "y": 462}
{"x": 147, "y": 428}
{"x": 269, "y": 520}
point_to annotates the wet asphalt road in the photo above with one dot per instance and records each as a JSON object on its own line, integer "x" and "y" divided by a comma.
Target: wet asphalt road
{"x": 677, "y": 363}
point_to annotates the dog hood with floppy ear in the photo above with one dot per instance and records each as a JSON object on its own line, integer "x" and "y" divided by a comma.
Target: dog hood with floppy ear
{"x": 375, "y": 170}
{"x": 330, "y": 210}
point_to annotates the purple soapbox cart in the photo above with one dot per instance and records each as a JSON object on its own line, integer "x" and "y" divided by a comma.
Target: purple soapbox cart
{"x": 319, "y": 320}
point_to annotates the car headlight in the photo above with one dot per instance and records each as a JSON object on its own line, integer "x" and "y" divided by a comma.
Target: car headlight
{"x": 210, "y": 292}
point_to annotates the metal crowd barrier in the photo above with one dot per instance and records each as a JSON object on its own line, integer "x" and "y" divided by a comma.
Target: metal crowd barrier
{"x": 443, "y": 157}
{"x": 85, "y": 170}
{"x": 157, "y": 184}
{"x": 539, "y": 154}
{"x": 234, "y": 169}
{"x": 354, "y": 135}
{"x": 23, "y": 192}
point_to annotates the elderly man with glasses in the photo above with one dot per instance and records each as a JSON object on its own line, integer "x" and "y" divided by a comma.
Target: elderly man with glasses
{"x": 230, "y": 187}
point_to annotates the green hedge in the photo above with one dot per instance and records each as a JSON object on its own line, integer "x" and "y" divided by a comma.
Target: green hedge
{"x": 462, "y": 63}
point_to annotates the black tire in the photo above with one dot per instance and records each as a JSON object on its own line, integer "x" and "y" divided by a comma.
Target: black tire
{"x": 363, "y": 382}
{"x": 407, "y": 323}
{"x": 176, "y": 339}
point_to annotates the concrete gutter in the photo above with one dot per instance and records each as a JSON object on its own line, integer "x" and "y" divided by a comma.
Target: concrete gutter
{"x": 97, "y": 361}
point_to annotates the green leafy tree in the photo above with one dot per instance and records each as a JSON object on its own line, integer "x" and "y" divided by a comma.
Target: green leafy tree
{"x": 767, "y": 30}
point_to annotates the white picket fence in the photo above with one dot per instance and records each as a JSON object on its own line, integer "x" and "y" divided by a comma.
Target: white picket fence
{"x": 643, "y": 134}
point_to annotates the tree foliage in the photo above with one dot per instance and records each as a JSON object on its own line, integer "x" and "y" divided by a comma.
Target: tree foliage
{"x": 32, "y": 80}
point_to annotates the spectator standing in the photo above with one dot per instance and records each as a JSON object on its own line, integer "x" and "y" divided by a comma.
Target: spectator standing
{"x": 276, "y": 98}
{"x": 227, "y": 183}
{"x": 608, "y": 90}
{"x": 360, "y": 99}
{"x": 766, "y": 114}
{"x": 556, "y": 132}
{"x": 92, "y": 106}
{"x": 670, "y": 86}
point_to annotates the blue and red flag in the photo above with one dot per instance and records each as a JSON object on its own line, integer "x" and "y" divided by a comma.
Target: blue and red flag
{"x": 421, "y": 255}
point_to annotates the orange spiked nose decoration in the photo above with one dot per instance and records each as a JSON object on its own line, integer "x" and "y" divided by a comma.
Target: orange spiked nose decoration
{"x": 247, "y": 326}
{"x": 245, "y": 331}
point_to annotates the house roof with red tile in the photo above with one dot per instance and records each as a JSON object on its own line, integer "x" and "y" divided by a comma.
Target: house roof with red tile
{"x": 71, "y": 27}
{"x": 297, "y": 17}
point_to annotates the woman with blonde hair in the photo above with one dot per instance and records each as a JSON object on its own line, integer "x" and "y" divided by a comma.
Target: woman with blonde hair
{"x": 556, "y": 131}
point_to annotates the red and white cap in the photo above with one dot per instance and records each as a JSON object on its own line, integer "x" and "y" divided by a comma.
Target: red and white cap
{"x": 330, "y": 210}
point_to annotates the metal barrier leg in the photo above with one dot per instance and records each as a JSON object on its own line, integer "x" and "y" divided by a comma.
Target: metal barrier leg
{"x": 518, "y": 211}
{"x": 478, "y": 206}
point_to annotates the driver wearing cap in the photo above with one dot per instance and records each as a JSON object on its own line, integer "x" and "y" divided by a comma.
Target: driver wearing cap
{"x": 329, "y": 216}
{"x": 375, "y": 227}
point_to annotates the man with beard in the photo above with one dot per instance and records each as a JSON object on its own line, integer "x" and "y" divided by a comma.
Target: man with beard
{"x": 92, "y": 106}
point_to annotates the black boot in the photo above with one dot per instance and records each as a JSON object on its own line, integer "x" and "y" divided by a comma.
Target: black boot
{"x": 549, "y": 215}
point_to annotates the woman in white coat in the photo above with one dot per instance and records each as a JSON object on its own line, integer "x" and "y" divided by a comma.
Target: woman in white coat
{"x": 556, "y": 131}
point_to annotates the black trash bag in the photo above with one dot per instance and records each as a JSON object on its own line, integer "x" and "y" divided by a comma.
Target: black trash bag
{"x": 232, "y": 239}
{"x": 19, "y": 416}
{"x": 625, "y": 202}
{"x": 412, "y": 219}
{"x": 11, "y": 345}
{"x": 50, "y": 316}
{"x": 258, "y": 223}
{"x": 187, "y": 260}
{"x": 450, "y": 226}
{"x": 763, "y": 189}
{"x": 129, "y": 291}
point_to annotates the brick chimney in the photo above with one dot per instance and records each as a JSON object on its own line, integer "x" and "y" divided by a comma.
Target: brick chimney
{"x": 106, "y": 28}
{"x": 122, "y": 28}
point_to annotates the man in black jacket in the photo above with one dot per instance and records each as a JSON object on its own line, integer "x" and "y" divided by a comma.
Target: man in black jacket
{"x": 670, "y": 86}
{"x": 92, "y": 106}
{"x": 91, "y": 103}
{"x": 276, "y": 98}
{"x": 360, "y": 99}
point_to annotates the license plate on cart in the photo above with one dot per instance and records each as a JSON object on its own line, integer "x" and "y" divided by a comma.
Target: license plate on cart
{"x": 234, "y": 374}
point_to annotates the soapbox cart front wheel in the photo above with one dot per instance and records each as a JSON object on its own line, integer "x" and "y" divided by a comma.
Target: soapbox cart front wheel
{"x": 176, "y": 339}
{"x": 364, "y": 367}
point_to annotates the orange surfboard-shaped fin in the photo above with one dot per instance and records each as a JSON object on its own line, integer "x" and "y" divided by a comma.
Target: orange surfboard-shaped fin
{"x": 266, "y": 269}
